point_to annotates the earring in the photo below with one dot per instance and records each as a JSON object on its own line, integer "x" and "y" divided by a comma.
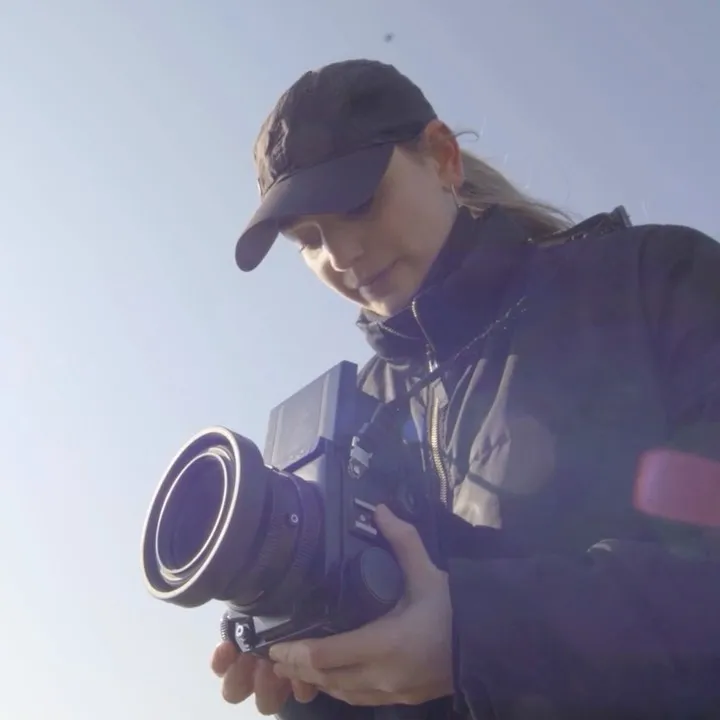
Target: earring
{"x": 453, "y": 192}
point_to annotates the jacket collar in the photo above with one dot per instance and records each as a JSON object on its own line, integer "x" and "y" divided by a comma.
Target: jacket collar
{"x": 467, "y": 285}
{"x": 461, "y": 294}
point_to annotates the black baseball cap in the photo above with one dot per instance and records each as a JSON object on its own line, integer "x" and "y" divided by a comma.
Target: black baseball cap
{"x": 327, "y": 144}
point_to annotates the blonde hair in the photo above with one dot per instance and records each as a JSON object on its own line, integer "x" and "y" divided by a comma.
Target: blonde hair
{"x": 484, "y": 186}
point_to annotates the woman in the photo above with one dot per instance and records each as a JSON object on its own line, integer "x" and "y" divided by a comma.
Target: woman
{"x": 588, "y": 346}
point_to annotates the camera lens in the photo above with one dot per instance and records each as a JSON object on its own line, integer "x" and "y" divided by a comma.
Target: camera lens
{"x": 190, "y": 513}
{"x": 224, "y": 526}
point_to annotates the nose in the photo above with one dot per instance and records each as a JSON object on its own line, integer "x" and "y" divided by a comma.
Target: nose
{"x": 343, "y": 244}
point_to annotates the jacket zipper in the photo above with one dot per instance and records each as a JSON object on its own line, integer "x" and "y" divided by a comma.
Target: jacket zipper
{"x": 436, "y": 454}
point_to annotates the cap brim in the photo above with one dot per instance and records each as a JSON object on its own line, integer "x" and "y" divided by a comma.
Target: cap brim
{"x": 336, "y": 186}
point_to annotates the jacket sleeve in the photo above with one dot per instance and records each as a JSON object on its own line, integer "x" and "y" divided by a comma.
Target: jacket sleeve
{"x": 629, "y": 629}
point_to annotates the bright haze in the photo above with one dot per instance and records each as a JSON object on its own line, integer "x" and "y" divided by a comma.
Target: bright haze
{"x": 125, "y": 176}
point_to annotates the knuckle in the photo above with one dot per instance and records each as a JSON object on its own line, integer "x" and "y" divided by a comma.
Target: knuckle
{"x": 313, "y": 656}
{"x": 393, "y": 644}
{"x": 385, "y": 684}
{"x": 270, "y": 699}
{"x": 407, "y": 533}
{"x": 237, "y": 684}
{"x": 303, "y": 692}
{"x": 345, "y": 697}
{"x": 234, "y": 694}
{"x": 268, "y": 706}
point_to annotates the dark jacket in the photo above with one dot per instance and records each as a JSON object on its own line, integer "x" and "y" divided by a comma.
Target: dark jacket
{"x": 610, "y": 346}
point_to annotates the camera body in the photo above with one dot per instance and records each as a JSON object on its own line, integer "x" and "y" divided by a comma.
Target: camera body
{"x": 313, "y": 435}
{"x": 288, "y": 539}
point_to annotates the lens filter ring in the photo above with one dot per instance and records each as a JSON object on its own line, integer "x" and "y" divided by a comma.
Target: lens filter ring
{"x": 218, "y": 482}
{"x": 185, "y": 493}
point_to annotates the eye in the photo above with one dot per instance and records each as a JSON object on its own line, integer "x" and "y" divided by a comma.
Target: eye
{"x": 310, "y": 244}
{"x": 306, "y": 237}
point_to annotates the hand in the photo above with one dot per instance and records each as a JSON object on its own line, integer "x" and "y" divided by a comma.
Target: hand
{"x": 405, "y": 657}
{"x": 244, "y": 674}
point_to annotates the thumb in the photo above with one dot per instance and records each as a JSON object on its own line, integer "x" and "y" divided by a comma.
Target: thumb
{"x": 409, "y": 550}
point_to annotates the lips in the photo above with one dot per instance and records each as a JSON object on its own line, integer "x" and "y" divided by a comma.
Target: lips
{"x": 371, "y": 280}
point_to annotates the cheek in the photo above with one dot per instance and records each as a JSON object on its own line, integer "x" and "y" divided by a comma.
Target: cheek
{"x": 419, "y": 221}
{"x": 319, "y": 264}
{"x": 422, "y": 239}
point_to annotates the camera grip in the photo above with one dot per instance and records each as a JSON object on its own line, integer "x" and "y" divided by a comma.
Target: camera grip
{"x": 374, "y": 584}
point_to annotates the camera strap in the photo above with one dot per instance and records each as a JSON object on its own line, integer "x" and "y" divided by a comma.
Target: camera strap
{"x": 533, "y": 278}
{"x": 536, "y": 276}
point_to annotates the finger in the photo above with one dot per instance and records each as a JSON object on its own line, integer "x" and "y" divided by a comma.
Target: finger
{"x": 303, "y": 659}
{"x": 408, "y": 548}
{"x": 303, "y": 675}
{"x": 367, "y": 694}
{"x": 271, "y": 691}
{"x": 238, "y": 681}
{"x": 223, "y": 657}
{"x": 355, "y": 678}
{"x": 303, "y": 692}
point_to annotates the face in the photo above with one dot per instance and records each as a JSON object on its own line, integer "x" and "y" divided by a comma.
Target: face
{"x": 379, "y": 256}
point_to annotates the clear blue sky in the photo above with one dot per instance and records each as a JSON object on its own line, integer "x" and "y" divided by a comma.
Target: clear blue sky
{"x": 125, "y": 175}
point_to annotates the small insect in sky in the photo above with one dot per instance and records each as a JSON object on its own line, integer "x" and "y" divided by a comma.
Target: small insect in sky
{"x": 389, "y": 37}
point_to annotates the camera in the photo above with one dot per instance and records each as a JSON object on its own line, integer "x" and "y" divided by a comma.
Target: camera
{"x": 286, "y": 537}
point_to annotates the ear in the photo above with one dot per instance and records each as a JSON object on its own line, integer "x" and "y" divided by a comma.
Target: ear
{"x": 443, "y": 148}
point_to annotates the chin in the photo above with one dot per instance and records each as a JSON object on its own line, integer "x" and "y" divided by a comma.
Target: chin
{"x": 391, "y": 306}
